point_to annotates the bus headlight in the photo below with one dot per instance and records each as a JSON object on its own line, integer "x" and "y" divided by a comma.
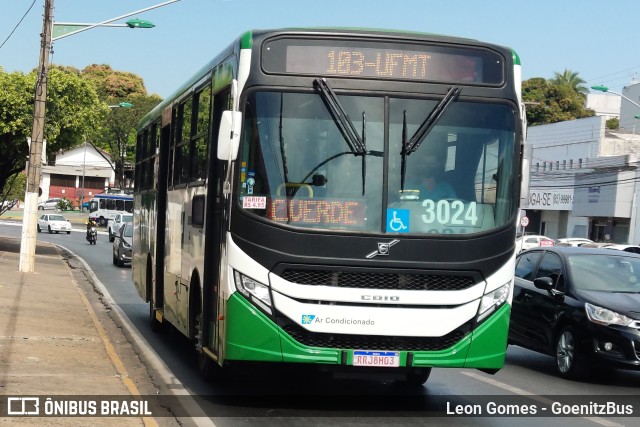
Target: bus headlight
{"x": 253, "y": 290}
{"x": 492, "y": 300}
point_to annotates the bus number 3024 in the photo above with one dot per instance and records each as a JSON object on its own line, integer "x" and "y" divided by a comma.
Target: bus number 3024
{"x": 449, "y": 212}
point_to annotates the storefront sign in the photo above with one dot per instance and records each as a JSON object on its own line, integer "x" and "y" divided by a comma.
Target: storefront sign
{"x": 551, "y": 200}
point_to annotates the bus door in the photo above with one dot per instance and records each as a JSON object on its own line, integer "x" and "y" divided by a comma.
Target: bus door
{"x": 161, "y": 212}
{"x": 215, "y": 230}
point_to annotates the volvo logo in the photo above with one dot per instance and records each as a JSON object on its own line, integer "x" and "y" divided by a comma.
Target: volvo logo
{"x": 383, "y": 249}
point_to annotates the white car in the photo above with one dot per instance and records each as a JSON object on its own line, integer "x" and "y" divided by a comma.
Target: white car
{"x": 54, "y": 222}
{"x": 113, "y": 226}
{"x": 634, "y": 249}
{"x": 573, "y": 241}
{"x": 532, "y": 241}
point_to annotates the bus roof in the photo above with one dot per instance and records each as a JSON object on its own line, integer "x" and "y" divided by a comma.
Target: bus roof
{"x": 114, "y": 196}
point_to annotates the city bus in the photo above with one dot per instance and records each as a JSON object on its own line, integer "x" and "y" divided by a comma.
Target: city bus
{"x": 105, "y": 206}
{"x": 284, "y": 210}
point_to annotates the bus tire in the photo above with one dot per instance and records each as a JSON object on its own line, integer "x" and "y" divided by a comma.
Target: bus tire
{"x": 102, "y": 222}
{"x": 418, "y": 377}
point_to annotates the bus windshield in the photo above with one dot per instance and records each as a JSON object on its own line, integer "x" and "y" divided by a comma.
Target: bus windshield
{"x": 298, "y": 168}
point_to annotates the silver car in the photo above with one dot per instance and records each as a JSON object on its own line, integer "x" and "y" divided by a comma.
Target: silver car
{"x": 122, "y": 245}
{"x": 49, "y": 204}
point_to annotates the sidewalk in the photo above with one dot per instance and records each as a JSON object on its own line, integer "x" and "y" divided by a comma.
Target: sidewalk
{"x": 55, "y": 339}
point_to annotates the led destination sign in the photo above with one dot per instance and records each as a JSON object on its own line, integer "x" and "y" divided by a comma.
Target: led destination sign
{"x": 346, "y": 213}
{"x": 384, "y": 61}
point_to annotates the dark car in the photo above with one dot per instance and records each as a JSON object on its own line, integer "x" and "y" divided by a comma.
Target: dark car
{"x": 122, "y": 245}
{"x": 579, "y": 305}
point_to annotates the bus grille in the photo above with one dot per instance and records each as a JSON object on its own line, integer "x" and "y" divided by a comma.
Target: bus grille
{"x": 366, "y": 280}
{"x": 375, "y": 342}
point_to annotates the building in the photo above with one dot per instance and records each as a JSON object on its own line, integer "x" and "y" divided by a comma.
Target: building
{"x": 582, "y": 181}
{"x": 77, "y": 175}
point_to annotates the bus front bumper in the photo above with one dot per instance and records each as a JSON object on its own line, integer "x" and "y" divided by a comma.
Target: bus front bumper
{"x": 252, "y": 336}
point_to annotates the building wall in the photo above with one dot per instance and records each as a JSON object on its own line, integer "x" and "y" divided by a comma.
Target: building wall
{"x": 80, "y": 161}
{"x": 607, "y": 105}
{"x": 581, "y": 182}
{"x": 628, "y": 110}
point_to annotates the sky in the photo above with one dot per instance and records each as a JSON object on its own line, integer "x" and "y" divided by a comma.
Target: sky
{"x": 593, "y": 38}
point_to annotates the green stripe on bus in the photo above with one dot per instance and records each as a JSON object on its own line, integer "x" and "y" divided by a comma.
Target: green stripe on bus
{"x": 516, "y": 57}
{"x": 246, "y": 40}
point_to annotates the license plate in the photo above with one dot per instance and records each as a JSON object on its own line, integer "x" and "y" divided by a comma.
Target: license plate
{"x": 388, "y": 359}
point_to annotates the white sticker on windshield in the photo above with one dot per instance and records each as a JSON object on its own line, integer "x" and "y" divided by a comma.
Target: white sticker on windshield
{"x": 254, "y": 202}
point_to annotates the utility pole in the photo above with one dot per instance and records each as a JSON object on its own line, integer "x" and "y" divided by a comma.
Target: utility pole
{"x": 29, "y": 223}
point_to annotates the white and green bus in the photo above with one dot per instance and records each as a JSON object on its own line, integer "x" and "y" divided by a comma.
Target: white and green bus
{"x": 340, "y": 197}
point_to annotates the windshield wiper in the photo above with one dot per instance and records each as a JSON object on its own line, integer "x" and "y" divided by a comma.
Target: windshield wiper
{"x": 346, "y": 127}
{"x": 357, "y": 145}
{"x": 432, "y": 119}
{"x": 427, "y": 125}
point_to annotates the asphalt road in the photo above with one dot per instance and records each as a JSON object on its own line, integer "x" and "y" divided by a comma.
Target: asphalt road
{"x": 268, "y": 396}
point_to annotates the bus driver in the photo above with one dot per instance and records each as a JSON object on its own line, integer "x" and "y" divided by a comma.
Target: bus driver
{"x": 431, "y": 186}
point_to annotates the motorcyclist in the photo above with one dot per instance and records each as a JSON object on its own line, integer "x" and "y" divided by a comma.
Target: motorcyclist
{"x": 90, "y": 224}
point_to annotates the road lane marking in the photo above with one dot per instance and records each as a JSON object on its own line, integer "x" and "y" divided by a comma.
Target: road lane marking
{"x": 521, "y": 392}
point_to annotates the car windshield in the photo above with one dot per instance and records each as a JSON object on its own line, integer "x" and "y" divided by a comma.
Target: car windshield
{"x": 57, "y": 218}
{"x": 297, "y": 168}
{"x": 127, "y": 218}
{"x": 599, "y": 272}
{"x": 128, "y": 230}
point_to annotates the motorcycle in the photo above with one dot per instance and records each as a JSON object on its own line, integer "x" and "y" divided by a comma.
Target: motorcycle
{"x": 92, "y": 236}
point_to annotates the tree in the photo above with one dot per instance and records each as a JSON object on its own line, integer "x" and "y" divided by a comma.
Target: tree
{"x": 119, "y": 136}
{"x": 73, "y": 112}
{"x": 613, "y": 123}
{"x": 13, "y": 191}
{"x": 571, "y": 80}
{"x": 112, "y": 84}
{"x": 118, "y": 133}
{"x": 548, "y": 102}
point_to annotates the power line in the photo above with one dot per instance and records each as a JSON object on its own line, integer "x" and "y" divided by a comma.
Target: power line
{"x": 18, "y": 24}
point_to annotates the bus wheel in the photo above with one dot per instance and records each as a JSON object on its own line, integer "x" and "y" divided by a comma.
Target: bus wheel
{"x": 418, "y": 377}
{"x": 102, "y": 221}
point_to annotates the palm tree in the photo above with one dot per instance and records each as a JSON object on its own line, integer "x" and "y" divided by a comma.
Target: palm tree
{"x": 572, "y": 80}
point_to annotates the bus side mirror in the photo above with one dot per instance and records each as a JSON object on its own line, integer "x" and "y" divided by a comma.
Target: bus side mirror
{"x": 229, "y": 135}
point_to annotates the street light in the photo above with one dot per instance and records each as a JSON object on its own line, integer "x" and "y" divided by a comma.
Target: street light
{"x": 122, "y": 105}
{"x": 68, "y": 29}
{"x": 28, "y": 239}
{"x": 606, "y": 89}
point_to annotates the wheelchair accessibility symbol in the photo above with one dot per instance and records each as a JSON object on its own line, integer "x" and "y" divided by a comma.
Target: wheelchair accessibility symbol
{"x": 397, "y": 220}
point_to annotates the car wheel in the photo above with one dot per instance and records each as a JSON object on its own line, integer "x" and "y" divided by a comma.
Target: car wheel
{"x": 115, "y": 260}
{"x": 39, "y": 230}
{"x": 68, "y": 232}
{"x": 50, "y": 230}
{"x": 40, "y": 208}
{"x": 112, "y": 237}
{"x": 569, "y": 361}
